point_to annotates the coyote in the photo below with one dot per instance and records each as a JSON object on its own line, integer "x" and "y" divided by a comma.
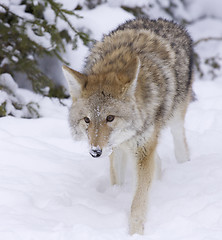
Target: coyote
{"x": 136, "y": 81}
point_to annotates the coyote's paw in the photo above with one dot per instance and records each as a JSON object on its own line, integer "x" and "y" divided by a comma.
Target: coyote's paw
{"x": 136, "y": 226}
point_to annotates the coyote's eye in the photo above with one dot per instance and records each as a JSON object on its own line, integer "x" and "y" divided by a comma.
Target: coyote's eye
{"x": 86, "y": 119}
{"x": 110, "y": 118}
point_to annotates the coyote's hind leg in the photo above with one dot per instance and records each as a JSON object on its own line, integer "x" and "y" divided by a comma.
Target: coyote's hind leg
{"x": 179, "y": 137}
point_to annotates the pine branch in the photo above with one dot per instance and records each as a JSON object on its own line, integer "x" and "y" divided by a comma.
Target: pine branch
{"x": 61, "y": 13}
{"x": 20, "y": 51}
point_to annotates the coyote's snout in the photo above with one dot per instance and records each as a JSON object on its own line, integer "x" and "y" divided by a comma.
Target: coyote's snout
{"x": 136, "y": 80}
{"x": 95, "y": 151}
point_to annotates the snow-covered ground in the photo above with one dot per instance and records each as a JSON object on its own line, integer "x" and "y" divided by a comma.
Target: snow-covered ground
{"x": 52, "y": 189}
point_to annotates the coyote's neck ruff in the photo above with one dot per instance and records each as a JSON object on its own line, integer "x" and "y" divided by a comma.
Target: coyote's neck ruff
{"x": 136, "y": 80}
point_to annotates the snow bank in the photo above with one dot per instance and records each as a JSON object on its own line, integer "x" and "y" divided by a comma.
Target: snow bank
{"x": 12, "y": 101}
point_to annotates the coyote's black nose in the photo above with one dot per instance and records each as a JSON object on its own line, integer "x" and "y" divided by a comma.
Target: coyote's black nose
{"x": 96, "y": 152}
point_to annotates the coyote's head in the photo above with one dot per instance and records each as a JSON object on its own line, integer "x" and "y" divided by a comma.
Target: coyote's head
{"x": 103, "y": 109}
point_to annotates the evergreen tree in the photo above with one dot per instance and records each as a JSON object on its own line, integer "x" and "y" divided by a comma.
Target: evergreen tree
{"x": 26, "y": 37}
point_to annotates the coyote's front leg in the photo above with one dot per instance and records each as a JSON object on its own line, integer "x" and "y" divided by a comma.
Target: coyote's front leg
{"x": 144, "y": 172}
{"x": 117, "y": 166}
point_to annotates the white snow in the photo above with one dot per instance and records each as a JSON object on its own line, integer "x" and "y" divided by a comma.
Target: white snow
{"x": 52, "y": 189}
{"x": 103, "y": 19}
{"x": 200, "y": 8}
{"x": 15, "y": 99}
{"x": 7, "y": 81}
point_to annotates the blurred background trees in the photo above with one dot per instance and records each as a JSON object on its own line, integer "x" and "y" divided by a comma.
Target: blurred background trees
{"x": 34, "y": 37}
{"x": 32, "y": 45}
{"x": 26, "y": 36}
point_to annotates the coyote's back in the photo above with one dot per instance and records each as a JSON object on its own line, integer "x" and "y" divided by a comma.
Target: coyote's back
{"x": 135, "y": 81}
{"x": 165, "y": 53}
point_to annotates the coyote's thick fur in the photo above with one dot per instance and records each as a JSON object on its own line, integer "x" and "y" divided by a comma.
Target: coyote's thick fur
{"x": 136, "y": 80}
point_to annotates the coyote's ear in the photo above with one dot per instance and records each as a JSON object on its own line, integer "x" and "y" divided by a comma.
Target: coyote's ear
{"x": 76, "y": 81}
{"x": 131, "y": 72}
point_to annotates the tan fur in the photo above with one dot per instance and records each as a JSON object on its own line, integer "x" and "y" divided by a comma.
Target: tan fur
{"x": 95, "y": 136}
{"x": 141, "y": 74}
{"x": 145, "y": 172}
